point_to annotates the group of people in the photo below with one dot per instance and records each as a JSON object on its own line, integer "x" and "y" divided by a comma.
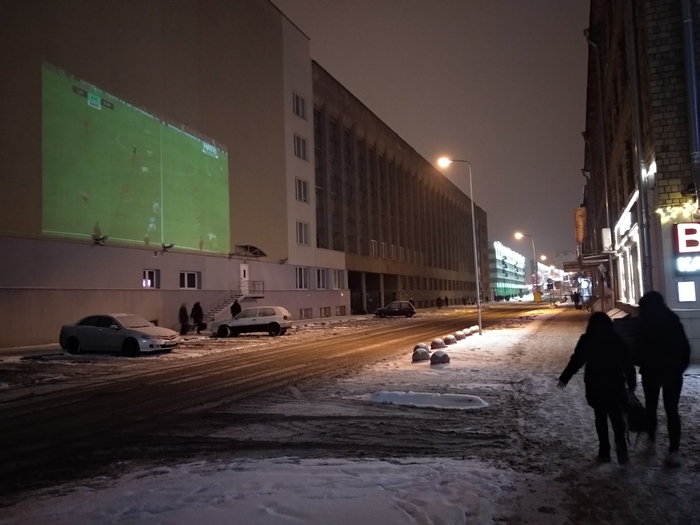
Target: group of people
{"x": 197, "y": 316}
{"x": 662, "y": 352}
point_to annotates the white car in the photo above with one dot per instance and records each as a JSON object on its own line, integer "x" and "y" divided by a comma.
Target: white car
{"x": 128, "y": 334}
{"x": 275, "y": 320}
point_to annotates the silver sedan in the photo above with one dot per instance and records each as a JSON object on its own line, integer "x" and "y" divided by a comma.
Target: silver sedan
{"x": 127, "y": 334}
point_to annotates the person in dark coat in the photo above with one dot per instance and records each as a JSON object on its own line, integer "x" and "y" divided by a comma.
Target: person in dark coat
{"x": 576, "y": 298}
{"x": 609, "y": 367}
{"x": 663, "y": 354}
{"x": 438, "y": 302}
{"x": 235, "y": 308}
{"x": 197, "y": 316}
{"x": 184, "y": 319}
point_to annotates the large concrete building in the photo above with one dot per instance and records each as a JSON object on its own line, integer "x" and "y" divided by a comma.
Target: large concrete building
{"x": 642, "y": 156}
{"x": 154, "y": 154}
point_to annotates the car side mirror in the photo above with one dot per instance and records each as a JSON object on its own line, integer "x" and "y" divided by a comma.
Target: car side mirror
{"x": 113, "y": 327}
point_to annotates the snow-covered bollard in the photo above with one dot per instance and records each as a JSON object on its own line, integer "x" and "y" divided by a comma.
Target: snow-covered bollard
{"x": 459, "y": 335}
{"x": 467, "y": 332}
{"x": 421, "y": 345}
{"x": 474, "y": 329}
{"x": 450, "y": 340}
{"x": 420, "y": 354}
{"x": 439, "y": 358}
{"x": 437, "y": 344}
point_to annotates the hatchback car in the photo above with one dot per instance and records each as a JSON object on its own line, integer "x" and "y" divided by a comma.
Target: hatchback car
{"x": 396, "y": 309}
{"x": 275, "y": 320}
{"x": 128, "y": 334}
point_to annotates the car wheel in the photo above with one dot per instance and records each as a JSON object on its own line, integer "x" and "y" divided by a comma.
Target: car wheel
{"x": 130, "y": 348}
{"x": 409, "y": 314}
{"x": 274, "y": 329}
{"x": 73, "y": 346}
{"x": 223, "y": 331}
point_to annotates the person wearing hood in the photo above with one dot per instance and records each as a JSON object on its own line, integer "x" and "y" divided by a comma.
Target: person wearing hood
{"x": 608, "y": 370}
{"x": 663, "y": 354}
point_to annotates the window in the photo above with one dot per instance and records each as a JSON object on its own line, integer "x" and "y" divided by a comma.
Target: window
{"x": 324, "y": 311}
{"x": 321, "y": 279}
{"x": 302, "y": 189}
{"x": 306, "y": 313}
{"x": 302, "y": 278}
{"x": 300, "y": 147}
{"x": 373, "y": 248}
{"x": 266, "y": 312}
{"x": 151, "y": 279}
{"x": 191, "y": 280}
{"x": 299, "y": 105}
{"x": 338, "y": 279}
{"x": 340, "y": 310}
{"x": 302, "y": 233}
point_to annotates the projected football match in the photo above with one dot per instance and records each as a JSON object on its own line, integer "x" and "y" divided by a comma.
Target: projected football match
{"x": 112, "y": 171}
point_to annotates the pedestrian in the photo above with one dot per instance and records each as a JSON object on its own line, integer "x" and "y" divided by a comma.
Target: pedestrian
{"x": 235, "y": 308}
{"x": 663, "y": 354}
{"x": 184, "y": 319}
{"x": 576, "y": 298}
{"x": 197, "y": 316}
{"x": 447, "y": 301}
{"x": 608, "y": 367}
{"x": 438, "y": 302}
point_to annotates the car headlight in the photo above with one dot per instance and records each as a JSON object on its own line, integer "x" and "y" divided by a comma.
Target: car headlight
{"x": 144, "y": 336}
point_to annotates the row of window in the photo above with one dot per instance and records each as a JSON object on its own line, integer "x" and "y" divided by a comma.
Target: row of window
{"x": 324, "y": 311}
{"x": 188, "y": 280}
{"x": 322, "y": 278}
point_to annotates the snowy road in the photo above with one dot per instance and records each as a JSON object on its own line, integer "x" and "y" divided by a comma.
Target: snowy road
{"x": 325, "y": 451}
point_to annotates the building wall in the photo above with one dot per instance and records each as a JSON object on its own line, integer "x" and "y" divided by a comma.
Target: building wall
{"x": 392, "y": 213}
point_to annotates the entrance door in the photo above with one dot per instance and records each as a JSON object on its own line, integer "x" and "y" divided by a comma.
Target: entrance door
{"x": 245, "y": 278}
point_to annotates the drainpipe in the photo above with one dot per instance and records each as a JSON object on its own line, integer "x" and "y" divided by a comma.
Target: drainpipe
{"x": 604, "y": 166}
{"x": 691, "y": 91}
{"x": 642, "y": 203}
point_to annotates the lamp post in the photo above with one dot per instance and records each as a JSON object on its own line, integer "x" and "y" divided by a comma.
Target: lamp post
{"x": 519, "y": 235}
{"x": 444, "y": 162}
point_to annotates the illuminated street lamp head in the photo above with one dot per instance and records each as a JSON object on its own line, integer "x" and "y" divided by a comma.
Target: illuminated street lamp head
{"x": 543, "y": 257}
{"x": 519, "y": 235}
{"x": 443, "y": 162}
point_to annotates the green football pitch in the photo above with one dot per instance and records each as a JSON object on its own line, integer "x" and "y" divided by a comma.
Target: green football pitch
{"x": 111, "y": 169}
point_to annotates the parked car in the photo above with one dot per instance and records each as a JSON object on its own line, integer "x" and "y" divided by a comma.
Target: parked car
{"x": 128, "y": 334}
{"x": 396, "y": 308}
{"x": 275, "y": 320}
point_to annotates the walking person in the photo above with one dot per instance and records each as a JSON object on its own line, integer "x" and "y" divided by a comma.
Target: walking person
{"x": 608, "y": 368}
{"x": 197, "y": 316}
{"x": 184, "y": 319}
{"x": 235, "y": 308}
{"x": 438, "y": 302}
{"x": 576, "y": 298}
{"x": 663, "y": 354}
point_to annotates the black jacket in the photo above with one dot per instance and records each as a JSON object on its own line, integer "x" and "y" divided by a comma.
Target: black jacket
{"x": 609, "y": 367}
{"x": 662, "y": 347}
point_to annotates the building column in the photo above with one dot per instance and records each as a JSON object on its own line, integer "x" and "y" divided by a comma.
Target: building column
{"x": 363, "y": 290}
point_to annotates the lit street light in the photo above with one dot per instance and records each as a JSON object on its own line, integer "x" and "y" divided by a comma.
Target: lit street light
{"x": 519, "y": 235}
{"x": 443, "y": 162}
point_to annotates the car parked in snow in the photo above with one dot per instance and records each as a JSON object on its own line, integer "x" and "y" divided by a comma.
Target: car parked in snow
{"x": 396, "y": 309}
{"x": 127, "y": 334}
{"x": 275, "y": 320}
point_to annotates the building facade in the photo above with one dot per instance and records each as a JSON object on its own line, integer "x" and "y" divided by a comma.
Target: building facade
{"x": 152, "y": 161}
{"x": 642, "y": 155}
{"x": 507, "y": 272}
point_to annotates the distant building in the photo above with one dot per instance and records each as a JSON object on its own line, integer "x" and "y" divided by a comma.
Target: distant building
{"x": 507, "y": 272}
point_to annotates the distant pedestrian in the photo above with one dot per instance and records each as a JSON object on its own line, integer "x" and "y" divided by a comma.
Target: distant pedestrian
{"x": 609, "y": 367}
{"x": 197, "y": 316}
{"x": 235, "y": 308}
{"x": 438, "y": 302}
{"x": 576, "y": 298}
{"x": 663, "y": 354}
{"x": 184, "y": 319}
{"x": 447, "y": 301}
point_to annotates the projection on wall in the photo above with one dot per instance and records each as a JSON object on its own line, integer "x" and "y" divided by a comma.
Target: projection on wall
{"x": 110, "y": 168}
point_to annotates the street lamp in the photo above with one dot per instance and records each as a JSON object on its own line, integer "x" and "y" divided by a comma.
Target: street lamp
{"x": 519, "y": 235}
{"x": 443, "y": 162}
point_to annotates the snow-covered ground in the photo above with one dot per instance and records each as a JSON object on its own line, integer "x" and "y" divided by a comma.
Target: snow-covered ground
{"x": 530, "y": 450}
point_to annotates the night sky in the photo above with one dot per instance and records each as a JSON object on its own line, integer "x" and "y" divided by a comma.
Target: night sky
{"x": 500, "y": 83}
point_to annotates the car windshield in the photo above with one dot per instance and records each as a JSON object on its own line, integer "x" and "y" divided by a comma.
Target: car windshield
{"x": 133, "y": 321}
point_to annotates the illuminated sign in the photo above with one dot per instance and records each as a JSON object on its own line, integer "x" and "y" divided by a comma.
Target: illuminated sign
{"x": 687, "y": 248}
